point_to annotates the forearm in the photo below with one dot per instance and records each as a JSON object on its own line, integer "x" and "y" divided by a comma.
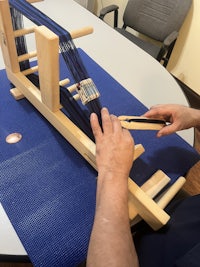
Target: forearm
{"x": 111, "y": 242}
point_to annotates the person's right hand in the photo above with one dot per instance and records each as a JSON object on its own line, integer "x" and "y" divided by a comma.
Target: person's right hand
{"x": 114, "y": 145}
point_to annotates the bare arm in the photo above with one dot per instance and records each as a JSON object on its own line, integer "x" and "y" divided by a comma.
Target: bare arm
{"x": 111, "y": 242}
{"x": 180, "y": 117}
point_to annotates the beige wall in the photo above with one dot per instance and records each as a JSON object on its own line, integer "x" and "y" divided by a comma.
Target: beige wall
{"x": 185, "y": 59}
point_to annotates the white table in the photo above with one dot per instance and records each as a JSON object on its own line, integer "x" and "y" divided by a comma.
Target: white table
{"x": 138, "y": 72}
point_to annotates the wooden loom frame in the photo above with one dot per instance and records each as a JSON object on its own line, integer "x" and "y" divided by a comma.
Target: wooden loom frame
{"x": 47, "y": 102}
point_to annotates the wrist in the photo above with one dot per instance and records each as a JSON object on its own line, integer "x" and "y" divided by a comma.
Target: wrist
{"x": 196, "y": 119}
{"x": 113, "y": 184}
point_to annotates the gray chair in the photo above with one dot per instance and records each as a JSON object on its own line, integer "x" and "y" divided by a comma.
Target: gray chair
{"x": 159, "y": 20}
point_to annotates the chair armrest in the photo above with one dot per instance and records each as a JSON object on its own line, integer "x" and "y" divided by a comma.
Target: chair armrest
{"x": 108, "y": 9}
{"x": 167, "y": 47}
{"x": 170, "y": 38}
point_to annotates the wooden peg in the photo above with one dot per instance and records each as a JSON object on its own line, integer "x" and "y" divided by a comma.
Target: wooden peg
{"x": 24, "y": 31}
{"x": 72, "y": 88}
{"x": 170, "y": 193}
{"x": 30, "y": 71}
{"x": 27, "y": 56}
{"x": 64, "y": 82}
{"x": 81, "y": 32}
{"x": 76, "y": 97}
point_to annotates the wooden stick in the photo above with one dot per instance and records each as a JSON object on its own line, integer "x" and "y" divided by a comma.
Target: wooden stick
{"x": 72, "y": 88}
{"x": 64, "y": 82}
{"x": 76, "y": 97}
{"x": 47, "y": 44}
{"x": 140, "y": 123}
{"x": 151, "y": 187}
{"x": 146, "y": 207}
{"x": 24, "y": 31}
{"x": 30, "y": 71}
{"x": 74, "y": 33}
{"x": 170, "y": 193}
{"x": 155, "y": 184}
{"x": 81, "y": 32}
{"x": 7, "y": 38}
{"x": 27, "y": 56}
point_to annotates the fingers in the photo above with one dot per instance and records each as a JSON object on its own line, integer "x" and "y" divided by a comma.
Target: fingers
{"x": 107, "y": 123}
{"x": 116, "y": 124}
{"x": 96, "y": 128}
{"x": 158, "y": 112}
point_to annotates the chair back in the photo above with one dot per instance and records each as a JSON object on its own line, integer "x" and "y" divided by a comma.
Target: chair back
{"x": 156, "y": 18}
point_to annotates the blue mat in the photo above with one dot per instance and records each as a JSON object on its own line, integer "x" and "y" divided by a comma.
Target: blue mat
{"x": 48, "y": 189}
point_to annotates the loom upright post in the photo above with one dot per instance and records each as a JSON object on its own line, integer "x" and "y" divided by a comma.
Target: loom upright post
{"x": 7, "y": 39}
{"x": 47, "y": 44}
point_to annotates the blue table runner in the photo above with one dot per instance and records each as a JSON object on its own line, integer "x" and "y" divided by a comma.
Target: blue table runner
{"x": 48, "y": 189}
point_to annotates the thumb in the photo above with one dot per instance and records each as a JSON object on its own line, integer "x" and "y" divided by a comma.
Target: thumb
{"x": 167, "y": 130}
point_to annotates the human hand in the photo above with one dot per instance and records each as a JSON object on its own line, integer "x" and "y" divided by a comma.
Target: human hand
{"x": 114, "y": 145}
{"x": 180, "y": 117}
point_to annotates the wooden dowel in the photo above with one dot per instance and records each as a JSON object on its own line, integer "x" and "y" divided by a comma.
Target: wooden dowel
{"x": 76, "y": 97}
{"x": 74, "y": 33}
{"x": 72, "y": 88}
{"x": 27, "y": 56}
{"x": 155, "y": 184}
{"x": 170, "y": 193}
{"x": 24, "y": 31}
{"x": 30, "y": 71}
{"x": 64, "y": 82}
{"x": 151, "y": 187}
{"x": 81, "y": 32}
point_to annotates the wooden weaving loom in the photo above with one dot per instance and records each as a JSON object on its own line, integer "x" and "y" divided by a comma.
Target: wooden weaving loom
{"x": 47, "y": 101}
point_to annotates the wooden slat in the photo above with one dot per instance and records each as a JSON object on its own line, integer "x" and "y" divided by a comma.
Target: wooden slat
{"x": 16, "y": 93}
{"x": 146, "y": 207}
{"x": 47, "y": 44}
{"x": 151, "y": 187}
